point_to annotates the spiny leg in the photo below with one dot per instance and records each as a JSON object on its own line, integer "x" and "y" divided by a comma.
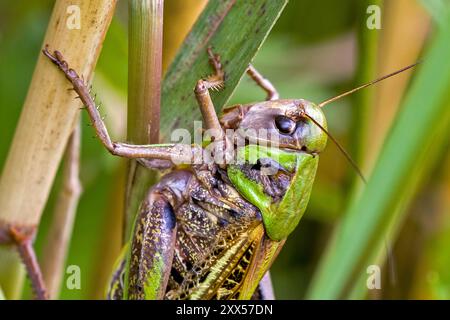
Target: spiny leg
{"x": 205, "y": 103}
{"x": 26, "y": 251}
{"x": 182, "y": 153}
{"x": 265, "y": 84}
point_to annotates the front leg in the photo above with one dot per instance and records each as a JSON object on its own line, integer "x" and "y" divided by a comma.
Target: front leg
{"x": 182, "y": 153}
{"x": 205, "y": 103}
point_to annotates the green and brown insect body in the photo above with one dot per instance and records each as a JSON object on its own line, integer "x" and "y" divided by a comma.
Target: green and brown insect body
{"x": 208, "y": 231}
{"x": 212, "y": 230}
{"x": 222, "y": 246}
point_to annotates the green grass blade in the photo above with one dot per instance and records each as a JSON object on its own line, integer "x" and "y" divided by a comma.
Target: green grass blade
{"x": 235, "y": 29}
{"x": 12, "y": 274}
{"x": 366, "y": 71}
{"x": 423, "y": 120}
{"x": 438, "y": 9}
{"x": 2, "y": 296}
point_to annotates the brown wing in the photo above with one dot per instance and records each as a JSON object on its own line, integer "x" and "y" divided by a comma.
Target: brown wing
{"x": 233, "y": 268}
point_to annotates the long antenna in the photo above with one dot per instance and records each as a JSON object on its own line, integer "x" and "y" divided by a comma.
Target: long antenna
{"x": 322, "y": 104}
{"x": 341, "y": 148}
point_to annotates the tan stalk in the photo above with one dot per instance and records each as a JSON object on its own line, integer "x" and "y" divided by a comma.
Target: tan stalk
{"x": 179, "y": 16}
{"x": 49, "y": 114}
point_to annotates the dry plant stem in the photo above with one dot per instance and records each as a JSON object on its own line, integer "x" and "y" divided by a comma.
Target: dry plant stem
{"x": 49, "y": 115}
{"x": 179, "y": 18}
{"x": 58, "y": 237}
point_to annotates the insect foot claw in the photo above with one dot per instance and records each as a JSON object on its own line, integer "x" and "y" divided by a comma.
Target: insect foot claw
{"x": 214, "y": 60}
{"x": 48, "y": 54}
{"x": 57, "y": 58}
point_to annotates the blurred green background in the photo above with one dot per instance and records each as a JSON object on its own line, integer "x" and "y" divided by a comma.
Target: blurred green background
{"x": 316, "y": 50}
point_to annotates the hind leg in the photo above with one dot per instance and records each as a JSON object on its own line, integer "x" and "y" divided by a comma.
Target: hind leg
{"x": 24, "y": 244}
{"x": 182, "y": 153}
{"x": 265, "y": 84}
{"x": 151, "y": 251}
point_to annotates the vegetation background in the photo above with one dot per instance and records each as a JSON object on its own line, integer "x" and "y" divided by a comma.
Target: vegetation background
{"x": 316, "y": 50}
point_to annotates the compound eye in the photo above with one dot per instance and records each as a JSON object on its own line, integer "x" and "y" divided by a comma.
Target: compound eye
{"x": 285, "y": 125}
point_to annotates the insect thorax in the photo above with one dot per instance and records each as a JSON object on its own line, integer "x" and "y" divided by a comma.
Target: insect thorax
{"x": 210, "y": 225}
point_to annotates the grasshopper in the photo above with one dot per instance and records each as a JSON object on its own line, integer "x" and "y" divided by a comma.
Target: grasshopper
{"x": 212, "y": 230}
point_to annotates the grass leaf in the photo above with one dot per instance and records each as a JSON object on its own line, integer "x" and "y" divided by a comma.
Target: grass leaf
{"x": 417, "y": 131}
{"x": 235, "y": 29}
